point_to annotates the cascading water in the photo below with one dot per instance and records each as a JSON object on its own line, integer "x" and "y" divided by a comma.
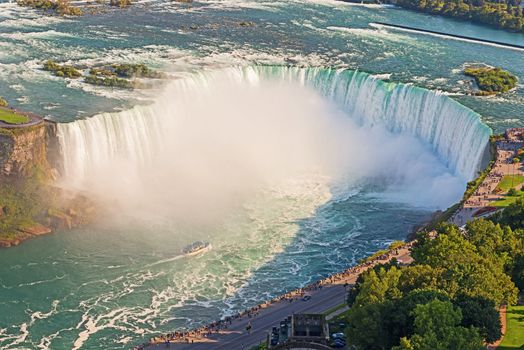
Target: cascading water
{"x": 322, "y": 167}
{"x": 454, "y": 132}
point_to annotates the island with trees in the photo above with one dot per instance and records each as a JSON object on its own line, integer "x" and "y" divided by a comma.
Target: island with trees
{"x": 491, "y": 80}
{"x": 114, "y": 75}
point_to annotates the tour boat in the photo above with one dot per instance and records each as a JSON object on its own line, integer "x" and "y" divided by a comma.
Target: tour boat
{"x": 196, "y": 247}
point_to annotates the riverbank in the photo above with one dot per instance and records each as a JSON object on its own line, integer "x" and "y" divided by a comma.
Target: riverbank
{"x": 499, "y": 15}
{"x": 51, "y": 209}
{"x": 230, "y": 332}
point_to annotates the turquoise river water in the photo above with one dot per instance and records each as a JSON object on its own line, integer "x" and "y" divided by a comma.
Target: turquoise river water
{"x": 296, "y": 147}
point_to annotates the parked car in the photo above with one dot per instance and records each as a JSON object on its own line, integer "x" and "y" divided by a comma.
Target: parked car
{"x": 306, "y": 297}
{"x": 338, "y": 343}
{"x": 338, "y": 336}
{"x": 274, "y": 339}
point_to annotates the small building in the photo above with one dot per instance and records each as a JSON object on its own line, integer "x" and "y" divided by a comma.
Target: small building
{"x": 309, "y": 328}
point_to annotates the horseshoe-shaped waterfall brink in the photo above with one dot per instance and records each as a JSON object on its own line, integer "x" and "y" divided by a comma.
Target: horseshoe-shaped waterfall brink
{"x": 454, "y": 132}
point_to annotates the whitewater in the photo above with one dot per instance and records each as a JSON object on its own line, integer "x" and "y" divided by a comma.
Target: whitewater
{"x": 261, "y": 156}
{"x": 274, "y": 166}
{"x": 454, "y": 133}
{"x": 277, "y": 143}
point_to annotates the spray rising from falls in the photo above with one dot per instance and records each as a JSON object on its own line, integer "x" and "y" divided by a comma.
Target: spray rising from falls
{"x": 455, "y": 132}
{"x": 215, "y": 137}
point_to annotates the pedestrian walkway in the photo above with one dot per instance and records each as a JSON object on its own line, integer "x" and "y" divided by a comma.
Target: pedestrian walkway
{"x": 480, "y": 203}
{"x": 231, "y": 333}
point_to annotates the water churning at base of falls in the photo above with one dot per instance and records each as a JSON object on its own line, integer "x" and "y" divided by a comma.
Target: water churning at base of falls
{"x": 218, "y": 134}
{"x": 290, "y": 174}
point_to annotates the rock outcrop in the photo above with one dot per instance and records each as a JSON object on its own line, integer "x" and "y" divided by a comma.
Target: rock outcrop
{"x": 30, "y": 203}
{"x": 22, "y": 150}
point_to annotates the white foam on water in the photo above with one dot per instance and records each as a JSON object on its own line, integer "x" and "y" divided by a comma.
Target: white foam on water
{"x": 384, "y": 76}
{"x": 246, "y": 240}
{"x": 377, "y": 35}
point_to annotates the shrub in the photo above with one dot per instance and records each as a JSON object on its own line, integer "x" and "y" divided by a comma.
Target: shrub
{"x": 136, "y": 71}
{"x": 62, "y": 70}
{"x": 62, "y": 7}
{"x": 120, "y": 3}
{"x": 513, "y": 192}
{"x": 492, "y": 80}
{"x": 101, "y": 71}
{"x": 3, "y": 103}
{"x": 110, "y": 82}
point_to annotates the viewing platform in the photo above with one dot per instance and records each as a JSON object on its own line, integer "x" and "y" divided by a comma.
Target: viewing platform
{"x": 502, "y": 185}
{"x": 11, "y": 118}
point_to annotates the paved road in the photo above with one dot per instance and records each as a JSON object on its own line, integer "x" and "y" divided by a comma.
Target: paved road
{"x": 236, "y": 338}
{"x": 321, "y": 301}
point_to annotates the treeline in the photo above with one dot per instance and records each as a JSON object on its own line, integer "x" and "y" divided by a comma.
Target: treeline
{"x": 506, "y": 14}
{"x": 449, "y": 297}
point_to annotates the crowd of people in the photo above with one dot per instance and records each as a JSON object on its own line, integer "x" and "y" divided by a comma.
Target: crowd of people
{"x": 488, "y": 192}
{"x": 202, "y": 334}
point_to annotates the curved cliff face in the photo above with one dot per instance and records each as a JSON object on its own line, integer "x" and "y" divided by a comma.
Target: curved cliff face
{"x": 22, "y": 151}
{"x": 30, "y": 205}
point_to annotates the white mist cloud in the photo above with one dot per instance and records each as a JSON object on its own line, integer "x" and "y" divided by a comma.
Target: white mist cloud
{"x": 210, "y": 142}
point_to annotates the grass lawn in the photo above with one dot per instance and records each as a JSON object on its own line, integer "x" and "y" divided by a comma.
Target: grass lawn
{"x": 12, "y": 118}
{"x": 509, "y": 181}
{"x": 507, "y": 200}
{"x": 514, "y": 338}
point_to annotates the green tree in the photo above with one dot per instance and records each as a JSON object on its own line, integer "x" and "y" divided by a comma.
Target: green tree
{"x": 465, "y": 270}
{"x": 399, "y": 320}
{"x": 419, "y": 277}
{"x": 480, "y": 313}
{"x": 365, "y": 327}
{"x": 493, "y": 241}
{"x": 513, "y": 215}
{"x": 378, "y": 287}
{"x": 405, "y": 344}
{"x": 517, "y": 274}
{"x": 437, "y": 327}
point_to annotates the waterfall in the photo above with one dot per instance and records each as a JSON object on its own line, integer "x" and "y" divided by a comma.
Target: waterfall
{"x": 454, "y": 132}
